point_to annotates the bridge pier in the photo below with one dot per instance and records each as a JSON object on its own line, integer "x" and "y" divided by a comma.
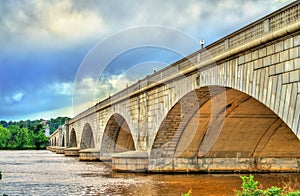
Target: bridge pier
{"x": 89, "y": 154}
{"x": 60, "y": 150}
{"x": 72, "y": 152}
{"x": 52, "y": 148}
{"x": 130, "y": 161}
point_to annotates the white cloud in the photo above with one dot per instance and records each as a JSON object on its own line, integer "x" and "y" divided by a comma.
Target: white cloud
{"x": 47, "y": 23}
{"x": 17, "y": 97}
{"x": 65, "y": 22}
{"x": 61, "y": 88}
{"x": 14, "y": 98}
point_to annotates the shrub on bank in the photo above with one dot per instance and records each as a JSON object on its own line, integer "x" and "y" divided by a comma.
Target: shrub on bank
{"x": 250, "y": 188}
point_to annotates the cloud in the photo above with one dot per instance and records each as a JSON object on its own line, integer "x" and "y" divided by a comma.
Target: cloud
{"x": 62, "y": 88}
{"x": 18, "y": 97}
{"x": 14, "y": 98}
{"x": 49, "y": 23}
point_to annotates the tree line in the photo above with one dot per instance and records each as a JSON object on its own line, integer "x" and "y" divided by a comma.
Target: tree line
{"x": 37, "y": 124}
{"x": 27, "y": 134}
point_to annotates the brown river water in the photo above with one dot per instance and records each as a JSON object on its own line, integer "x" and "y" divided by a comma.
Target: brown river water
{"x": 47, "y": 173}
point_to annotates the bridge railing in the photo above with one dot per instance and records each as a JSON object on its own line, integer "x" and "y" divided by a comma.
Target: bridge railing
{"x": 269, "y": 23}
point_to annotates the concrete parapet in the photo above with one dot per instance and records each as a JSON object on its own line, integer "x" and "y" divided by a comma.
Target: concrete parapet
{"x": 89, "y": 154}
{"x": 72, "y": 152}
{"x": 130, "y": 161}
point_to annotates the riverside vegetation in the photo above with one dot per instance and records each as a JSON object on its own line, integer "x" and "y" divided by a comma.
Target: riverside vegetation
{"x": 28, "y": 134}
{"x": 250, "y": 188}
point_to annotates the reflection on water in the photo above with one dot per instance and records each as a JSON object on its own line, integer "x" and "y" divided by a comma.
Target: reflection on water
{"x": 46, "y": 173}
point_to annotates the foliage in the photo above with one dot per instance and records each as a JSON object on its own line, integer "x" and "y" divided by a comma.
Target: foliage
{"x": 36, "y": 125}
{"x": 187, "y": 194}
{"x": 250, "y": 188}
{"x": 0, "y": 175}
{"x": 40, "y": 140}
{"x": 27, "y": 134}
{"x": 55, "y": 123}
{"x": 17, "y": 138}
{"x": 5, "y": 136}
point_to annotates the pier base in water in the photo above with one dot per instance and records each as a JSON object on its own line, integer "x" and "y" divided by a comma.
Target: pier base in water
{"x": 90, "y": 154}
{"x": 137, "y": 161}
{"x": 74, "y": 152}
{"x": 60, "y": 150}
{"x": 130, "y": 161}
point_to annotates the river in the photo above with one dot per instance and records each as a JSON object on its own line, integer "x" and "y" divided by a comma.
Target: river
{"x": 47, "y": 173}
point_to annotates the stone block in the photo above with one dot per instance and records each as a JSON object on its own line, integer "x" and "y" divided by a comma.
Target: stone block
{"x": 279, "y": 47}
{"x": 287, "y": 102}
{"x": 279, "y": 68}
{"x": 262, "y": 52}
{"x": 266, "y": 61}
{"x": 294, "y": 53}
{"x": 275, "y": 58}
{"x": 285, "y": 78}
{"x": 297, "y": 63}
{"x": 297, "y": 40}
{"x": 258, "y": 63}
{"x": 272, "y": 70}
{"x": 255, "y": 55}
{"x": 284, "y": 56}
{"x": 270, "y": 49}
{"x": 288, "y": 43}
{"x": 241, "y": 60}
{"x": 248, "y": 57}
{"x": 294, "y": 76}
{"x": 282, "y": 100}
{"x": 288, "y": 66}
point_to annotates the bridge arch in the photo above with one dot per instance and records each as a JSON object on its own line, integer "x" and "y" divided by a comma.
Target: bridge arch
{"x": 239, "y": 127}
{"x": 73, "y": 138}
{"x": 117, "y": 136}
{"x": 63, "y": 140}
{"x": 87, "y": 138}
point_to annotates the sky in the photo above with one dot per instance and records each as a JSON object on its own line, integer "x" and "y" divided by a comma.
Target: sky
{"x": 59, "y": 57}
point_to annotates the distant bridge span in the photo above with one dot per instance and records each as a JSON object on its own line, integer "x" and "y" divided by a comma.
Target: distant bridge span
{"x": 233, "y": 106}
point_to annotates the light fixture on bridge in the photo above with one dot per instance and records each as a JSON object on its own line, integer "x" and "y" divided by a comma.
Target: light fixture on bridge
{"x": 154, "y": 69}
{"x": 202, "y": 43}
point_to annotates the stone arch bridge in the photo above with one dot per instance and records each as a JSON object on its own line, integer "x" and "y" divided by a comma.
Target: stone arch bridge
{"x": 232, "y": 106}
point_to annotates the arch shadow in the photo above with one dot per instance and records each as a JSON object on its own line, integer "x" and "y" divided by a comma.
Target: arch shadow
{"x": 117, "y": 136}
{"x": 87, "y": 138}
{"x": 73, "y": 138}
{"x": 242, "y": 127}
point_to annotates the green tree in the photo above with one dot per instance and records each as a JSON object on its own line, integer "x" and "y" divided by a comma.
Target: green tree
{"x": 13, "y": 137}
{"x": 19, "y": 138}
{"x": 22, "y": 139}
{"x": 5, "y": 136}
{"x": 40, "y": 140}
